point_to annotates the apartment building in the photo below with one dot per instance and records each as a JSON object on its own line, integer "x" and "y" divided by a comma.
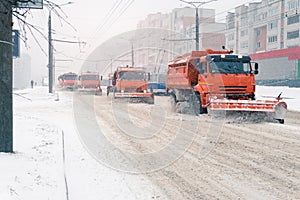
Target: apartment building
{"x": 264, "y": 26}
{"x": 267, "y": 30}
{"x": 211, "y": 33}
{"x": 181, "y": 32}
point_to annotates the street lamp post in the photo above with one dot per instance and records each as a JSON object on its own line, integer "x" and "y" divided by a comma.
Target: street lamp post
{"x": 194, "y": 4}
{"x": 50, "y": 55}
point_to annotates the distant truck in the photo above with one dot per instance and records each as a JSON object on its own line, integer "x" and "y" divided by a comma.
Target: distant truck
{"x": 157, "y": 84}
{"x": 68, "y": 80}
{"x": 45, "y": 81}
{"x": 131, "y": 83}
{"x": 90, "y": 81}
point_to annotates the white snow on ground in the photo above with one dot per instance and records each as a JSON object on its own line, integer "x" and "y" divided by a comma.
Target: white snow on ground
{"x": 37, "y": 171}
{"x": 44, "y": 131}
{"x": 290, "y": 95}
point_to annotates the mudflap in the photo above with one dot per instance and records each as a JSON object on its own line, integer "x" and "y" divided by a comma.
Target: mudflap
{"x": 197, "y": 104}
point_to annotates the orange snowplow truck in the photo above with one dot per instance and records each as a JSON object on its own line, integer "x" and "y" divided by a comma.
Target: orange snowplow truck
{"x": 68, "y": 80}
{"x": 131, "y": 83}
{"x": 90, "y": 81}
{"x": 218, "y": 81}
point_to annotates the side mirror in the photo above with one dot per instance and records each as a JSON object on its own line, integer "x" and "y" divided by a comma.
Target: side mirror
{"x": 101, "y": 77}
{"x": 256, "y": 68}
{"x": 148, "y": 76}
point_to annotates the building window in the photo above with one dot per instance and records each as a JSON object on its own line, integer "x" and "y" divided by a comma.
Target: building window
{"x": 244, "y": 21}
{"x": 273, "y": 11}
{"x": 230, "y": 37}
{"x": 244, "y": 45}
{"x": 293, "y": 4}
{"x": 272, "y": 39}
{"x": 244, "y": 32}
{"x": 293, "y": 35}
{"x": 264, "y": 15}
{"x": 258, "y": 32}
{"x": 272, "y": 25}
{"x": 292, "y": 20}
{"x": 231, "y": 25}
{"x": 257, "y": 44}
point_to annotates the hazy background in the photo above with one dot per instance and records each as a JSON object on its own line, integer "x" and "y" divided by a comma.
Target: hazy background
{"x": 93, "y": 22}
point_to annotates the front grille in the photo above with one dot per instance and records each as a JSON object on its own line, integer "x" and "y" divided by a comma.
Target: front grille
{"x": 232, "y": 89}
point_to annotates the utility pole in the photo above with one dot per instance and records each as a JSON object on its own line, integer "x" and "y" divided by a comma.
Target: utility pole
{"x": 132, "y": 56}
{"x": 50, "y": 48}
{"x": 50, "y": 55}
{"x": 6, "y": 69}
{"x": 196, "y": 5}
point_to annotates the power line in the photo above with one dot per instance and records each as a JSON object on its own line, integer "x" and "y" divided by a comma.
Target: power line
{"x": 109, "y": 14}
{"x": 125, "y": 7}
{"x": 121, "y": 11}
{"x": 107, "y": 18}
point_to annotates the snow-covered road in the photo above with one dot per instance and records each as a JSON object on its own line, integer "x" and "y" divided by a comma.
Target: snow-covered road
{"x": 75, "y": 146}
{"x": 36, "y": 170}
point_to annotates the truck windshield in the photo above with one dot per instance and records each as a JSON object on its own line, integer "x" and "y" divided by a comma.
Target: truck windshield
{"x": 132, "y": 75}
{"x": 70, "y": 77}
{"x": 230, "y": 67}
{"x": 89, "y": 77}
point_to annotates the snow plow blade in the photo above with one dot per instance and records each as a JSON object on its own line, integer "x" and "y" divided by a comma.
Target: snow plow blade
{"x": 136, "y": 97}
{"x": 275, "y": 109}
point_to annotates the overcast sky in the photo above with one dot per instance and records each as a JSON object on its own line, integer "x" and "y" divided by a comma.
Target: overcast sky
{"x": 95, "y": 22}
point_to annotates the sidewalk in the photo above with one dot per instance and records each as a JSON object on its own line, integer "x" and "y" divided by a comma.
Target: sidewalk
{"x": 50, "y": 162}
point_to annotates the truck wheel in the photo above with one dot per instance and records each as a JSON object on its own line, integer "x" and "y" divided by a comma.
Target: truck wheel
{"x": 150, "y": 100}
{"x": 281, "y": 121}
{"x": 173, "y": 102}
{"x": 114, "y": 92}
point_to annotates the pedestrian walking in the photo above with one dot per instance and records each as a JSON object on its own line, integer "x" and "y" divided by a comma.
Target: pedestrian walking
{"x": 32, "y": 83}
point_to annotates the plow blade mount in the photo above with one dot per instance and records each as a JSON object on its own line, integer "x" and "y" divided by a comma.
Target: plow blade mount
{"x": 275, "y": 109}
{"x": 138, "y": 97}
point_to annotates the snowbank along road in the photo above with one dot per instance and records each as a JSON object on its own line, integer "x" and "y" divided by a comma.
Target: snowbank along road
{"x": 192, "y": 157}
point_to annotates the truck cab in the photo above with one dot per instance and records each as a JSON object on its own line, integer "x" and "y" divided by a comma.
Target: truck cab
{"x": 131, "y": 83}
{"x": 68, "y": 80}
{"x": 130, "y": 80}
{"x": 225, "y": 76}
{"x": 90, "y": 81}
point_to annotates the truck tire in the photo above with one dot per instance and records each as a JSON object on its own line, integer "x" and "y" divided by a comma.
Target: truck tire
{"x": 114, "y": 93}
{"x": 173, "y": 101}
{"x": 150, "y": 100}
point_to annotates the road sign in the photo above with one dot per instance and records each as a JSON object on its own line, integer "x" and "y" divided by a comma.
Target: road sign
{"x": 32, "y": 4}
{"x": 16, "y": 42}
